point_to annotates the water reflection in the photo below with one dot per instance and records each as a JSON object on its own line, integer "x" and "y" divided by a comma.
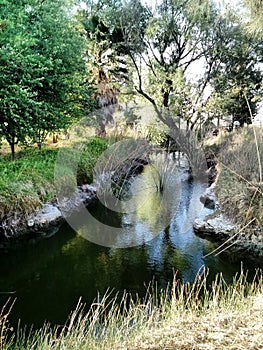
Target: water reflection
{"x": 49, "y": 276}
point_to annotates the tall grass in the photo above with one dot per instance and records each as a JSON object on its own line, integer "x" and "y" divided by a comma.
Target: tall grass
{"x": 240, "y": 190}
{"x": 197, "y": 316}
{"x": 91, "y": 152}
{"x": 114, "y": 170}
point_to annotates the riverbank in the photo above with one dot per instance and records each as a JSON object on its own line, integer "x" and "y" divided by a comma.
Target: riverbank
{"x": 236, "y": 195}
{"x": 196, "y": 316}
{"x": 28, "y": 189}
{"x": 28, "y": 201}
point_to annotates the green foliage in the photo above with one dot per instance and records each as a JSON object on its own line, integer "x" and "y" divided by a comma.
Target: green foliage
{"x": 106, "y": 46}
{"x": 255, "y": 25}
{"x": 88, "y": 159}
{"x": 162, "y": 44}
{"x": 155, "y": 134}
{"x": 177, "y": 35}
{"x": 43, "y": 79}
{"x": 28, "y": 182}
{"x": 237, "y": 77}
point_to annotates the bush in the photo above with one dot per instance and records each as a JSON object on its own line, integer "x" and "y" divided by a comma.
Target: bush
{"x": 88, "y": 159}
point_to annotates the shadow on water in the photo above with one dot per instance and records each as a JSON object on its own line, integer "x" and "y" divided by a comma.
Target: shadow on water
{"x": 47, "y": 277}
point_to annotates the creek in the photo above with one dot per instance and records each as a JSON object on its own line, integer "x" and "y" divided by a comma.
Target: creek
{"x": 48, "y": 276}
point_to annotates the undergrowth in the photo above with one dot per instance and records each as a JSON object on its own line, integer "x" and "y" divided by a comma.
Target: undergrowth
{"x": 26, "y": 182}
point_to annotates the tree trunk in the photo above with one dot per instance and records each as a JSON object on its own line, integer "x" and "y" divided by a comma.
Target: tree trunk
{"x": 12, "y": 146}
{"x": 55, "y": 138}
{"x": 166, "y": 99}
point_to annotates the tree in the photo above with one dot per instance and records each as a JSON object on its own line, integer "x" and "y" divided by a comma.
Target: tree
{"x": 153, "y": 48}
{"x": 164, "y": 44}
{"x": 42, "y": 70}
{"x": 176, "y": 36}
{"x": 237, "y": 79}
{"x": 255, "y": 24}
{"x": 101, "y": 21}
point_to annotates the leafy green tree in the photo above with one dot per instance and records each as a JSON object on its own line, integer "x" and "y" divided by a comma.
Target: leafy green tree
{"x": 237, "y": 82}
{"x": 43, "y": 78}
{"x": 15, "y": 98}
{"x": 163, "y": 44}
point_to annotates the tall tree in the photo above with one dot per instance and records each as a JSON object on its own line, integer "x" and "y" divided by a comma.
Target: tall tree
{"x": 42, "y": 69}
{"x": 237, "y": 82}
{"x": 176, "y": 36}
{"x": 101, "y": 21}
{"x": 166, "y": 44}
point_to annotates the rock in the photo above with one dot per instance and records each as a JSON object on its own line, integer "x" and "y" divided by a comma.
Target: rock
{"x": 209, "y": 202}
{"x": 84, "y": 195}
{"x": 217, "y": 226}
{"x": 211, "y": 161}
{"x": 47, "y": 215}
{"x": 209, "y": 199}
{"x": 89, "y": 188}
{"x": 220, "y": 228}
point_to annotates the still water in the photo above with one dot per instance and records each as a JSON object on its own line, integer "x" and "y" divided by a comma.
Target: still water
{"x": 48, "y": 276}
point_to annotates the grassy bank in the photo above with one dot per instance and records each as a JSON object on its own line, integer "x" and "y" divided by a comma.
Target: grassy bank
{"x": 187, "y": 317}
{"x": 28, "y": 182}
{"x": 240, "y": 187}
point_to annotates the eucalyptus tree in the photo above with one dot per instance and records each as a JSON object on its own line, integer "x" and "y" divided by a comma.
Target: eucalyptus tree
{"x": 42, "y": 69}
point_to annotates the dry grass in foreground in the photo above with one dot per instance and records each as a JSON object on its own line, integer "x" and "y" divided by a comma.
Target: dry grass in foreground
{"x": 188, "y": 317}
{"x": 240, "y": 327}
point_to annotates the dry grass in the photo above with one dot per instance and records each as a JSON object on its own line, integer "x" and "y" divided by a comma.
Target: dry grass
{"x": 239, "y": 328}
{"x": 239, "y": 189}
{"x": 186, "y": 317}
